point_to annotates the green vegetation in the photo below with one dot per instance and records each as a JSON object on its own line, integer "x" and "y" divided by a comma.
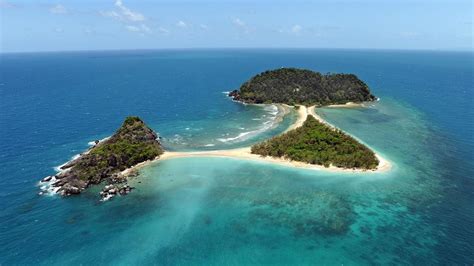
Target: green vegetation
{"x": 316, "y": 143}
{"x": 298, "y": 86}
{"x": 131, "y": 144}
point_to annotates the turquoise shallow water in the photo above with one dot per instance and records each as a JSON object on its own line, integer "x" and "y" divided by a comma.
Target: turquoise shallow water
{"x": 216, "y": 211}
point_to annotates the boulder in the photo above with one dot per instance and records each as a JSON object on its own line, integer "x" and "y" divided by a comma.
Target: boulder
{"x": 68, "y": 189}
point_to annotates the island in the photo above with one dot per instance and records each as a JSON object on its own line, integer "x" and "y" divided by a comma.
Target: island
{"x": 317, "y": 143}
{"x": 310, "y": 142}
{"x": 314, "y": 142}
{"x": 300, "y": 86}
{"x": 110, "y": 160}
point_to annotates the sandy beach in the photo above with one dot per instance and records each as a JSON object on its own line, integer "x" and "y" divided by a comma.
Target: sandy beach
{"x": 302, "y": 114}
{"x": 384, "y": 165}
{"x": 244, "y": 153}
{"x": 347, "y": 105}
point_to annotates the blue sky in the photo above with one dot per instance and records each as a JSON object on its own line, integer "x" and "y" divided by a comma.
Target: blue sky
{"x": 131, "y": 24}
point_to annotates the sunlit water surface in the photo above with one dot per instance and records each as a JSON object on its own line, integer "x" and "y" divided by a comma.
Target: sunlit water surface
{"x": 215, "y": 211}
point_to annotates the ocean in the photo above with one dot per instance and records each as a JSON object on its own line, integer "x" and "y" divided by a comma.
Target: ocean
{"x": 222, "y": 211}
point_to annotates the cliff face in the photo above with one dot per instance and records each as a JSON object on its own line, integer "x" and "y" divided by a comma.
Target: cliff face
{"x": 133, "y": 143}
{"x": 299, "y": 86}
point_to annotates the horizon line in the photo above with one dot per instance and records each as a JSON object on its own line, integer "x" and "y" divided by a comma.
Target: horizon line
{"x": 240, "y": 48}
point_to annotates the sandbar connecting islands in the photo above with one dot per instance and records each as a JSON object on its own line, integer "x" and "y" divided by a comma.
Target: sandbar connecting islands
{"x": 309, "y": 143}
{"x": 245, "y": 152}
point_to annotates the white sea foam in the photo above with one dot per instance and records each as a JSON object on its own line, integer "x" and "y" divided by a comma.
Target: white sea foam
{"x": 106, "y": 198}
{"x": 58, "y": 168}
{"x": 272, "y": 109}
{"x": 268, "y": 124}
{"x": 177, "y": 139}
{"x": 240, "y": 136}
{"x": 92, "y": 143}
{"x": 47, "y": 187}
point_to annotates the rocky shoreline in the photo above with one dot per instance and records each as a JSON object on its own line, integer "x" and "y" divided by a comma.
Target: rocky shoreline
{"x": 105, "y": 162}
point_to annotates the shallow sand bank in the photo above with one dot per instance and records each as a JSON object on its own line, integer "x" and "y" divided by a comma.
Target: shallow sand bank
{"x": 347, "y": 105}
{"x": 245, "y": 153}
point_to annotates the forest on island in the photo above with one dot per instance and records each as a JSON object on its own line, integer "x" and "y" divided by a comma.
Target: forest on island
{"x": 300, "y": 86}
{"x": 317, "y": 143}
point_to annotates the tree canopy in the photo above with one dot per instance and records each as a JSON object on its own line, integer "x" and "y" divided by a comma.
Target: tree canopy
{"x": 300, "y": 86}
{"x": 317, "y": 143}
{"x": 132, "y": 143}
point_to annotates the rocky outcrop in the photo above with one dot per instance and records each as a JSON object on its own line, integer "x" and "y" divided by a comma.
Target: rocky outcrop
{"x": 113, "y": 190}
{"x": 133, "y": 143}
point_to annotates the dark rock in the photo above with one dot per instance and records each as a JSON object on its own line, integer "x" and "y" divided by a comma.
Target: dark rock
{"x": 68, "y": 165}
{"x": 68, "y": 189}
{"x": 235, "y": 95}
{"x": 59, "y": 183}
{"x": 112, "y": 160}
{"x": 47, "y": 179}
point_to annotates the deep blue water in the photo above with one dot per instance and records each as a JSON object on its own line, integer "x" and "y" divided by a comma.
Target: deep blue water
{"x": 223, "y": 211}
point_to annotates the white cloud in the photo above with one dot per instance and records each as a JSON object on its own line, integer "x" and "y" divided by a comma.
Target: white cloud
{"x": 145, "y": 28}
{"x": 133, "y": 20}
{"x": 409, "y": 34}
{"x": 203, "y": 26}
{"x": 181, "y": 24}
{"x": 242, "y": 26}
{"x": 58, "y": 9}
{"x": 123, "y": 13}
{"x": 163, "y": 30}
{"x": 296, "y": 29}
{"x": 132, "y": 28}
{"x": 127, "y": 13}
{"x": 238, "y": 22}
{"x": 6, "y": 4}
{"x": 89, "y": 31}
{"x": 110, "y": 14}
{"x": 142, "y": 28}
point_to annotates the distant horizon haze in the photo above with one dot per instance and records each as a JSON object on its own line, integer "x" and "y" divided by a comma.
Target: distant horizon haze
{"x": 47, "y": 26}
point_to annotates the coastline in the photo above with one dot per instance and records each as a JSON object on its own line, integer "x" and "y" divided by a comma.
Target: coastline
{"x": 384, "y": 164}
{"x": 245, "y": 152}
